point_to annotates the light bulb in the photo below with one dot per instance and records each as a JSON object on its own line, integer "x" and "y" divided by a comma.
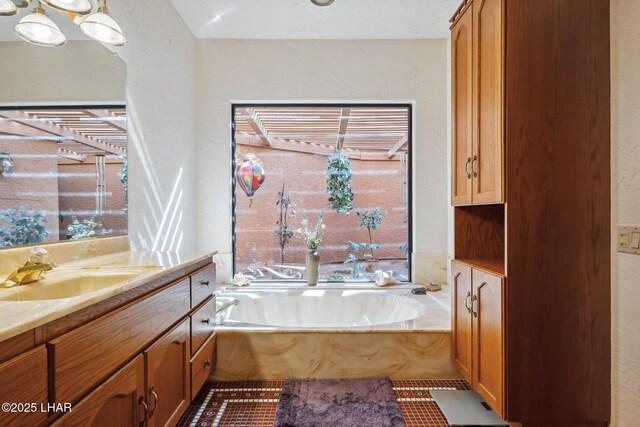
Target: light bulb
{"x": 74, "y": 6}
{"x": 322, "y": 2}
{"x": 103, "y": 28}
{"x": 7, "y": 8}
{"x": 38, "y": 29}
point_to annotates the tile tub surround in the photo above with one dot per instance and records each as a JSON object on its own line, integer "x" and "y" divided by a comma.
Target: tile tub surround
{"x": 414, "y": 348}
{"x": 21, "y": 316}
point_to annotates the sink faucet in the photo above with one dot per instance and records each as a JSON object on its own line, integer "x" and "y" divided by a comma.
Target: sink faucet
{"x": 227, "y": 304}
{"x": 32, "y": 270}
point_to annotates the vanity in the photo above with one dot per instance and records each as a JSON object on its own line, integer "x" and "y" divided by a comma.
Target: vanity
{"x": 132, "y": 347}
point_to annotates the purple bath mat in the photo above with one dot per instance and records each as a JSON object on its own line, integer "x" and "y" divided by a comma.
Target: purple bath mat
{"x": 366, "y": 402}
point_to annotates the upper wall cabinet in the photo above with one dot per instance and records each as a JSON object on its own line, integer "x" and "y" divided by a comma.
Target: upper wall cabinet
{"x": 478, "y": 103}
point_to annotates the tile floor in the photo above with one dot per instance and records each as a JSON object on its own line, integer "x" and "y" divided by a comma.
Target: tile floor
{"x": 254, "y": 403}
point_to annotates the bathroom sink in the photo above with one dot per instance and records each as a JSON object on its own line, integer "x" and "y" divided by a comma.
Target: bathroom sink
{"x": 80, "y": 284}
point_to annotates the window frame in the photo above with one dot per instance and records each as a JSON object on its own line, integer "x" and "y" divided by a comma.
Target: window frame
{"x": 407, "y": 105}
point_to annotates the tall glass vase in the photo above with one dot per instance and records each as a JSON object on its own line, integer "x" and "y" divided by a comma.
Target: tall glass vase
{"x": 312, "y": 266}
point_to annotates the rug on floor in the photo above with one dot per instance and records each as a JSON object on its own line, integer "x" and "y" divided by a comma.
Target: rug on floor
{"x": 339, "y": 402}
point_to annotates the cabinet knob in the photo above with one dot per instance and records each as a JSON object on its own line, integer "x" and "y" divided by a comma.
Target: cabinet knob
{"x": 155, "y": 401}
{"x": 207, "y": 362}
{"x": 466, "y": 167}
{"x": 205, "y": 282}
{"x": 207, "y": 321}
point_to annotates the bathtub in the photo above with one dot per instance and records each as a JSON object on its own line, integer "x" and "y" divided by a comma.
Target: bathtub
{"x": 344, "y": 332}
{"x": 325, "y": 309}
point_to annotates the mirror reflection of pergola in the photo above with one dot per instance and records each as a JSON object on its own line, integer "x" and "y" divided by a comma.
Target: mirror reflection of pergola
{"x": 80, "y": 134}
{"x": 364, "y": 133}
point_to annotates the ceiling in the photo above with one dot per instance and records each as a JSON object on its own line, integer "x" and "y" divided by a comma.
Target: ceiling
{"x": 367, "y": 133}
{"x": 80, "y": 133}
{"x": 300, "y": 19}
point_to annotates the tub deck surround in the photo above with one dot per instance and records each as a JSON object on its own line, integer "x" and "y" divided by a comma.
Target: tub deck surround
{"x": 131, "y": 272}
{"x": 393, "y": 344}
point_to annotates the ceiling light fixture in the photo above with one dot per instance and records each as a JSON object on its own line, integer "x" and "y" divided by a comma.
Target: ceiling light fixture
{"x": 7, "y": 8}
{"x": 322, "y": 3}
{"x": 81, "y": 7}
{"x": 102, "y": 27}
{"x": 38, "y": 29}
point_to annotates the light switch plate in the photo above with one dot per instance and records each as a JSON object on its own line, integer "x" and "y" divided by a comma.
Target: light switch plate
{"x": 629, "y": 239}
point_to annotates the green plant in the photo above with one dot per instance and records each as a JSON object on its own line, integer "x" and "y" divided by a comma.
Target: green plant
{"x": 339, "y": 183}
{"x": 371, "y": 220}
{"x": 124, "y": 179}
{"x": 25, "y": 227}
{"x": 286, "y": 212}
{"x": 312, "y": 235}
{"x": 82, "y": 230}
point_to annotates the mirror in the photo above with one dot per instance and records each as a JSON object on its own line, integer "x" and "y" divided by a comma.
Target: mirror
{"x": 63, "y": 139}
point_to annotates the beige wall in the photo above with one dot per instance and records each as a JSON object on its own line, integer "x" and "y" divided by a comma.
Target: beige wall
{"x": 363, "y": 70}
{"x": 79, "y": 72}
{"x": 625, "y": 64}
{"x": 161, "y": 114}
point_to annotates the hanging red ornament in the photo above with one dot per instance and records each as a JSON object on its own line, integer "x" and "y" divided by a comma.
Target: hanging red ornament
{"x": 250, "y": 175}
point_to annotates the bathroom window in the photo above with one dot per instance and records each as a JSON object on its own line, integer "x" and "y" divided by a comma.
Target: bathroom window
{"x": 347, "y": 165}
{"x": 63, "y": 174}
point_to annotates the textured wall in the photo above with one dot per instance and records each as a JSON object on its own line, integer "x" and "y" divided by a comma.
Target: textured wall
{"x": 375, "y": 70}
{"x": 161, "y": 109}
{"x": 625, "y": 40}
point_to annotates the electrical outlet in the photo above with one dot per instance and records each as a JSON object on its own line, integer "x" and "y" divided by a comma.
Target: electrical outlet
{"x": 629, "y": 239}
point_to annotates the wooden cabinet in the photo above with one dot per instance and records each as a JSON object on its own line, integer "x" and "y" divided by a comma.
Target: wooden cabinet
{"x": 203, "y": 322}
{"x": 478, "y": 331}
{"x": 462, "y": 108}
{"x": 461, "y": 320}
{"x": 201, "y": 365}
{"x": 168, "y": 380}
{"x": 477, "y": 102}
{"x": 488, "y": 338}
{"x": 119, "y": 401}
{"x": 202, "y": 284}
{"x": 23, "y": 380}
{"x": 532, "y": 233}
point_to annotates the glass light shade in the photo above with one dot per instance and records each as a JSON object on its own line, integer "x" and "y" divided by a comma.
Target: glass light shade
{"x": 322, "y": 2}
{"x": 103, "y": 28}
{"x": 75, "y": 6}
{"x": 7, "y": 7}
{"x": 38, "y": 29}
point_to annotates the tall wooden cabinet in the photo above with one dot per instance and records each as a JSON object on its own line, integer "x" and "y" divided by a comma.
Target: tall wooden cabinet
{"x": 531, "y": 190}
{"x": 478, "y": 103}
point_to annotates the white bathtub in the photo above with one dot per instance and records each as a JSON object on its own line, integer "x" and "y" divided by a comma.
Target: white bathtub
{"x": 325, "y": 309}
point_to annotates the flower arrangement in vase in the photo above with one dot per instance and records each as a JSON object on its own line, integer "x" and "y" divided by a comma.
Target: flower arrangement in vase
{"x": 312, "y": 236}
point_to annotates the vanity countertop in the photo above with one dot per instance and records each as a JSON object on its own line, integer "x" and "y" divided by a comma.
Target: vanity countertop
{"x": 17, "y": 317}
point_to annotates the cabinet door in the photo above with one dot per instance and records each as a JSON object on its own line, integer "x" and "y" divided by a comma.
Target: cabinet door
{"x": 461, "y": 319}
{"x": 488, "y": 336}
{"x": 168, "y": 379}
{"x": 119, "y": 401}
{"x": 462, "y": 109}
{"x": 488, "y": 106}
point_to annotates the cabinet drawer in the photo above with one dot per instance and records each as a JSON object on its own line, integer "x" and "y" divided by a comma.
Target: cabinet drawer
{"x": 202, "y": 364}
{"x": 86, "y": 356}
{"x": 202, "y": 284}
{"x": 23, "y": 380}
{"x": 202, "y": 324}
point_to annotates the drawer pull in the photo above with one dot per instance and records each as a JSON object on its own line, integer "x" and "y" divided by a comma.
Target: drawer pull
{"x": 207, "y": 321}
{"x": 155, "y": 401}
{"x": 474, "y": 305}
{"x": 466, "y": 168}
{"x": 146, "y": 411}
{"x": 207, "y": 363}
{"x": 473, "y": 166}
{"x": 466, "y": 302}
{"x": 205, "y": 282}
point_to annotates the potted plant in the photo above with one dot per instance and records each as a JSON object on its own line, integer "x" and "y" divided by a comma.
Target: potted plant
{"x": 339, "y": 183}
{"x": 365, "y": 252}
{"x": 312, "y": 236}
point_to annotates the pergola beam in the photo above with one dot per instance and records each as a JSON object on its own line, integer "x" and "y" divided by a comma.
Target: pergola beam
{"x": 54, "y": 129}
{"x": 108, "y": 117}
{"x": 342, "y": 129}
{"x": 398, "y": 146}
{"x": 256, "y": 125}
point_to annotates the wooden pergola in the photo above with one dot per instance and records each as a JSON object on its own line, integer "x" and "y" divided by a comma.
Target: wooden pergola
{"x": 80, "y": 134}
{"x": 366, "y": 133}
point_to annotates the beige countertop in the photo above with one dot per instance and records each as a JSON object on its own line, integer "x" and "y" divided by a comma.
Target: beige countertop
{"x": 138, "y": 268}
